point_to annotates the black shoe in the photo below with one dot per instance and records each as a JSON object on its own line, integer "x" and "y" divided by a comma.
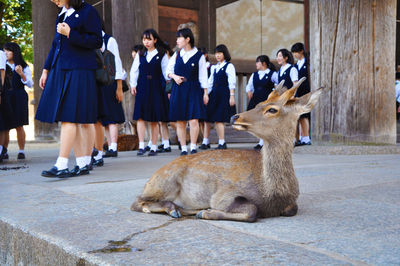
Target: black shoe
{"x": 258, "y": 147}
{"x": 98, "y": 163}
{"x": 184, "y": 153}
{"x": 90, "y": 166}
{"x": 194, "y": 151}
{"x": 152, "y": 153}
{"x": 164, "y": 150}
{"x": 179, "y": 146}
{"x": 21, "y": 156}
{"x": 95, "y": 152}
{"x": 160, "y": 147}
{"x": 298, "y": 143}
{"x": 55, "y": 173}
{"x": 111, "y": 153}
{"x": 4, "y": 154}
{"x": 80, "y": 171}
{"x": 205, "y": 146}
{"x": 147, "y": 148}
{"x": 221, "y": 147}
{"x": 141, "y": 152}
{"x": 306, "y": 143}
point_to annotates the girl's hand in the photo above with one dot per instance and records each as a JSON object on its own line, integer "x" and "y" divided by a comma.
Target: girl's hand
{"x": 205, "y": 98}
{"x": 249, "y": 95}
{"x": 19, "y": 70}
{"x": 63, "y": 29}
{"x": 133, "y": 91}
{"x": 232, "y": 100}
{"x": 178, "y": 79}
{"x": 43, "y": 78}
{"x": 169, "y": 96}
{"x": 119, "y": 95}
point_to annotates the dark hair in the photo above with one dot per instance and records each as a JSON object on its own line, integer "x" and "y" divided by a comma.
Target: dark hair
{"x": 168, "y": 49}
{"x": 76, "y": 4}
{"x": 160, "y": 44}
{"x": 223, "y": 49}
{"x": 397, "y": 75}
{"x": 186, "y": 33}
{"x": 103, "y": 27}
{"x": 286, "y": 53}
{"x": 204, "y": 51}
{"x": 265, "y": 59}
{"x": 17, "y": 55}
{"x": 299, "y": 47}
{"x": 137, "y": 48}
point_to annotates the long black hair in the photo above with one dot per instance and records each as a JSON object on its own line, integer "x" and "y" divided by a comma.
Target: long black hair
{"x": 223, "y": 49}
{"x": 186, "y": 33}
{"x": 265, "y": 59}
{"x": 17, "y": 55}
{"x": 160, "y": 44}
{"x": 286, "y": 53}
{"x": 298, "y": 48}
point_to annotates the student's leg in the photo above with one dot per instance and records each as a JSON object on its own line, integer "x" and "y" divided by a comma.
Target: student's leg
{"x": 99, "y": 136}
{"x": 194, "y": 133}
{"x": 113, "y": 132}
{"x": 305, "y": 127}
{"x": 154, "y": 136}
{"x": 220, "y": 131}
{"x": 141, "y": 130}
{"x": 206, "y": 136}
{"x": 165, "y": 135}
{"x": 21, "y": 137}
{"x": 107, "y": 133}
{"x": 181, "y": 131}
{"x": 68, "y": 136}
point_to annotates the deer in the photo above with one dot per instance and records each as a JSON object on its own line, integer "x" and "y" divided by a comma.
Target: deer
{"x": 238, "y": 185}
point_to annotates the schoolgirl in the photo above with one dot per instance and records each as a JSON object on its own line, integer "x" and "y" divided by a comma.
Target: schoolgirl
{"x": 111, "y": 97}
{"x": 260, "y": 85}
{"x": 204, "y": 51}
{"x": 3, "y": 128}
{"x": 187, "y": 67}
{"x": 15, "y": 97}
{"x": 148, "y": 85}
{"x": 302, "y": 67}
{"x": 221, "y": 106}
{"x": 287, "y": 72}
{"x": 69, "y": 85}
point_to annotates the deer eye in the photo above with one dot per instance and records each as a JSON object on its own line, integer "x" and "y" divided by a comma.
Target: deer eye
{"x": 272, "y": 111}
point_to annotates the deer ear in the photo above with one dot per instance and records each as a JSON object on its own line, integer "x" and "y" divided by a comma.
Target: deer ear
{"x": 279, "y": 88}
{"x": 287, "y": 95}
{"x": 307, "y": 102}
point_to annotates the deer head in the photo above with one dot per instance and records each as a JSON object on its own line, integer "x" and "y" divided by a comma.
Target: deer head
{"x": 276, "y": 118}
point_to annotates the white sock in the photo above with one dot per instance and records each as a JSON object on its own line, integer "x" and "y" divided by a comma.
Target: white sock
{"x": 150, "y": 143}
{"x": 165, "y": 143}
{"x": 261, "y": 142}
{"x": 193, "y": 146}
{"x": 141, "y": 145}
{"x": 153, "y": 147}
{"x": 99, "y": 156}
{"x": 61, "y": 163}
{"x": 113, "y": 146}
{"x": 81, "y": 161}
{"x": 305, "y": 139}
{"x": 206, "y": 141}
{"x": 221, "y": 141}
{"x": 184, "y": 148}
{"x": 21, "y": 151}
{"x": 88, "y": 159}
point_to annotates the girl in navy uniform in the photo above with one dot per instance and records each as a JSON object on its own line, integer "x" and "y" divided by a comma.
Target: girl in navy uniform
{"x": 221, "y": 87}
{"x": 148, "y": 85}
{"x": 287, "y": 72}
{"x": 69, "y": 83}
{"x": 260, "y": 85}
{"x": 3, "y": 128}
{"x": 187, "y": 67}
{"x": 15, "y": 96}
{"x": 302, "y": 67}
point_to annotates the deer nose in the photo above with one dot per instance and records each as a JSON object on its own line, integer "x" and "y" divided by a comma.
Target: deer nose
{"x": 234, "y": 118}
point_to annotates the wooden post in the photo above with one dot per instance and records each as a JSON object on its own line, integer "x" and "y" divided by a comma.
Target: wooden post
{"x": 352, "y": 48}
{"x": 207, "y": 24}
{"x": 44, "y": 14}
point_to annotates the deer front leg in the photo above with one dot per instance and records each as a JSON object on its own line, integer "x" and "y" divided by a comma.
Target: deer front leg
{"x": 156, "y": 207}
{"x": 245, "y": 212}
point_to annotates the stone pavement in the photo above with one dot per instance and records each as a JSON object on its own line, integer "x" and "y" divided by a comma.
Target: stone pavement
{"x": 349, "y": 213}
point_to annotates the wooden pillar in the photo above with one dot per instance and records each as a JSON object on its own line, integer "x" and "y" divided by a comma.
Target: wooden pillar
{"x": 44, "y": 14}
{"x": 207, "y": 24}
{"x": 352, "y": 48}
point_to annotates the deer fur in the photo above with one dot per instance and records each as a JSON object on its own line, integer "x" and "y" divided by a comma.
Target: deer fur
{"x": 240, "y": 185}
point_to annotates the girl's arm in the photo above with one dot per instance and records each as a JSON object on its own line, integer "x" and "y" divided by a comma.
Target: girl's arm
{"x": 294, "y": 75}
{"x": 211, "y": 80}
{"x": 164, "y": 66}
{"x": 274, "y": 78}
{"x": 28, "y": 77}
{"x": 112, "y": 46}
{"x": 231, "y": 73}
{"x": 134, "y": 73}
{"x": 203, "y": 75}
{"x": 171, "y": 66}
{"x": 250, "y": 87}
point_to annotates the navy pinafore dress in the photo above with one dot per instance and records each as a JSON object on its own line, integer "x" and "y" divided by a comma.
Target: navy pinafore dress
{"x": 187, "y": 99}
{"x": 111, "y": 111}
{"x": 262, "y": 88}
{"x": 218, "y": 107}
{"x": 151, "y": 103}
{"x": 286, "y": 77}
{"x": 305, "y": 86}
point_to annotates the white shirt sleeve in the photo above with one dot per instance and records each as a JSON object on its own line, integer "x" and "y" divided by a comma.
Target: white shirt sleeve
{"x": 3, "y": 60}
{"x": 203, "y": 75}
{"x": 164, "y": 66}
{"x": 294, "y": 74}
{"x": 211, "y": 79}
{"x": 112, "y": 46}
{"x": 231, "y": 73}
{"x": 274, "y": 78}
{"x": 134, "y": 74}
{"x": 250, "y": 86}
{"x": 28, "y": 75}
{"x": 171, "y": 64}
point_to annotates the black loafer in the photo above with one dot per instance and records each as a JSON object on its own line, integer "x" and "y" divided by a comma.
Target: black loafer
{"x": 306, "y": 143}
{"x": 258, "y": 147}
{"x": 160, "y": 147}
{"x": 141, "y": 152}
{"x": 98, "y": 163}
{"x": 205, "y": 146}
{"x": 80, "y": 171}
{"x": 111, "y": 153}
{"x": 298, "y": 143}
{"x": 21, "y": 156}
{"x": 164, "y": 150}
{"x": 222, "y": 147}
{"x": 55, "y": 173}
{"x": 147, "y": 148}
{"x": 152, "y": 153}
{"x": 95, "y": 152}
{"x": 193, "y": 151}
{"x": 184, "y": 153}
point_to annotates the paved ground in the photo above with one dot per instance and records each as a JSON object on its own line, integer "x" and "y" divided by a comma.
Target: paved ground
{"x": 349, "y": 213}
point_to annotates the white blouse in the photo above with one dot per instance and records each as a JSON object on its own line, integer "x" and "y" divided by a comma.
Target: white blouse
{"x": 300, "y": 63}
{"x": 3, "y": 60}
{"x": 112, "y": 46}
{"x": 261, "y": 74}
{"x": 134, "y": 74}
{"x": 230, "y": 73}
{"x": 28, "y": 75}
{"x": 294, "y": 74}
{"x": 186, "y": 55}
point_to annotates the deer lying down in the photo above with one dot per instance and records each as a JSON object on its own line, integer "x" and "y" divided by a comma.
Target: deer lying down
{"x": 239, "y": 185}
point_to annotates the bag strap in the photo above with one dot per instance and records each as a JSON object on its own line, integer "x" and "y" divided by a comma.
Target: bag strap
{"x": 106, "y": 38}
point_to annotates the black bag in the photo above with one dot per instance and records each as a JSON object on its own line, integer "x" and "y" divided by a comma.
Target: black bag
{"x": 105, "y": 72}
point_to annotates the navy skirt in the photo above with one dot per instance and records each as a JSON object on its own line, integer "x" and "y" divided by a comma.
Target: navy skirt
{"x": 259, "y": 95}
{"x": 218, "y": 107}
{"x": 110, "y": 110}
{"x": 14, "y": 108}
{"x": 187, "y": 102}
{"x": 69, "y": 96}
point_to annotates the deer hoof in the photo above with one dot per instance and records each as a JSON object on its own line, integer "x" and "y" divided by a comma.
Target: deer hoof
{"x": 175, "y": 214}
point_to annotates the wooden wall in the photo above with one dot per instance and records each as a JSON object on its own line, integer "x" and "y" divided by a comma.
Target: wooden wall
{"x": 352, "y": 46}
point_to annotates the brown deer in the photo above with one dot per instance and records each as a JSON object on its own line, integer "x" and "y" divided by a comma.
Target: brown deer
{"x": 239, "y": 185}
